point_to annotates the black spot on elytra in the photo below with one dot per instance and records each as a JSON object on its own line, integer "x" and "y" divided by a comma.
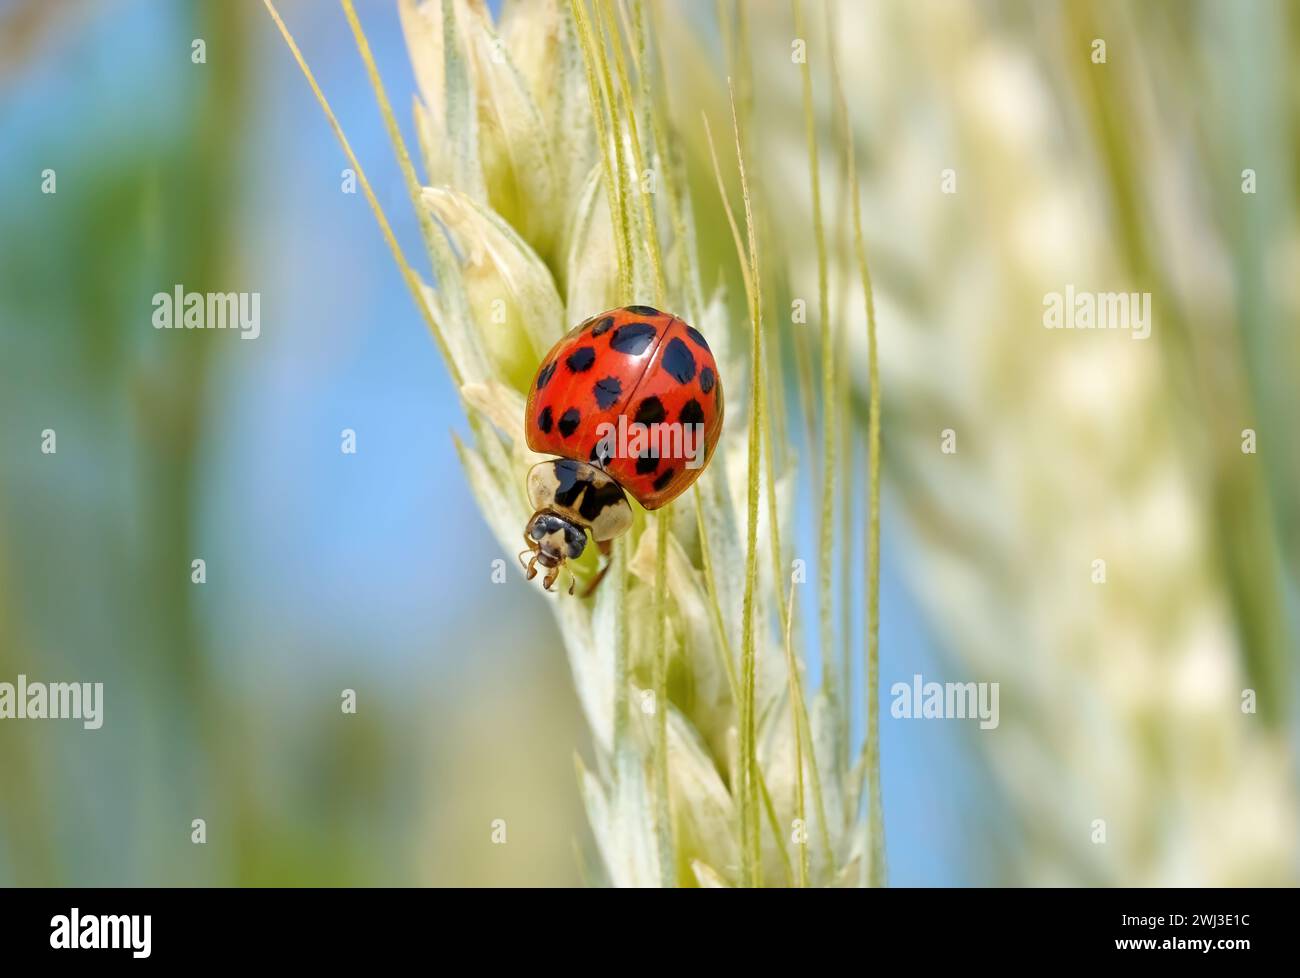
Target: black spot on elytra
{"x": 664, "y": 478}
{"x": 707, "y": 379}
{"x": 692, "y": 413}
{"x": 566, "y": 473}
{"x": 600, "y": 453}
{"x": 602, "y": 327}
{"x": 569, "y": 422}
{"x": 581, "y": 359}
{"x": 650, "y": 411}
{"x": 643, "y": 310}
{"x": 697, "y": 337}
{"x": 607, "y": 391}
{"x": 646, "y": 463}
{"x": 544, "y": 375}
{"x": 679, "y": 361}
{"x": 544, "y": 420}
{"x": 598, "y": 499}
{"x": 633, "y": 338}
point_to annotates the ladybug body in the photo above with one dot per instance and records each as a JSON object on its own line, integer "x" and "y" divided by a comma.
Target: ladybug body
{"x": 629, "y": 400}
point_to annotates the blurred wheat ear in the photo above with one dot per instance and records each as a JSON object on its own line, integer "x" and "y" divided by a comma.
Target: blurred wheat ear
{"x": 556, "y": 186}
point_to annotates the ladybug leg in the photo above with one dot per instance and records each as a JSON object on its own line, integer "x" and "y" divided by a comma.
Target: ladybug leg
{"x": 550, "y": 577}
{"x": 531, "y": 549}
{"x": 590, "y": 589}
{"x": 606, "y": 547}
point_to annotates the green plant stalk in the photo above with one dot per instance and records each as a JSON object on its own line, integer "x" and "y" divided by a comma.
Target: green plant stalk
{"x": 653, "y": 249}
{"x": 690, "y": 298}
{"x": 663, "y": 820}
{"x": 871, "y": 706}
{"x": 819, "y": 799}
{"x": 715, "y": 605}
{"x": 757, "y": 421}
{"x": 826, "y": 532}
{"x": 844, "y": 403}
{"x": 750, "y": 276}
{"x": 775, "y": 822}
{"x": 744, "y": 72}
{"x": 612, "y": 179}
{"x": 622, "y": 701}
{"x": 773, "y": 526}
{"x": 796, "y": 697}
{"x": 724, "y": 652}
{"x": 848, "y": 496}
{"x": 807, "y": 406}
{"x": 779, "y": 412}
{"x": 615, "y": 150}
{"x": 875, "y": 809}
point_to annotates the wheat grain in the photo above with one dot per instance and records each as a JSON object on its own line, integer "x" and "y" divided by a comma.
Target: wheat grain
{"x": 710, "y": 790}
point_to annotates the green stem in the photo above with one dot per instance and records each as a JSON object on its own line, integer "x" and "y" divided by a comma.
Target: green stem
{"x": 796, "y": 702}
{"x": 826, "y": 532}
{"x": 875, "y": 809}
{"x": 592, "y": 55}
{"x": 663, "y": 820}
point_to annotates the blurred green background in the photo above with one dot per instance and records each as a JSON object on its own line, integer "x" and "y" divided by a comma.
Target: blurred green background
{"x": 372, "y": 571}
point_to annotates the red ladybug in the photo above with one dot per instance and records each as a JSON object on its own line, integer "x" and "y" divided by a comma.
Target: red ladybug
{"x": 630, "y": 400}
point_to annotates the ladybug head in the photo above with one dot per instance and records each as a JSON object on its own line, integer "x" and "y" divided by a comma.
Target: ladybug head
{"x": 555, "y": 538}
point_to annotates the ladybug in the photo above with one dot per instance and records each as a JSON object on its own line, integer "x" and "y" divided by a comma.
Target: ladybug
{"x": 631, "y": 402}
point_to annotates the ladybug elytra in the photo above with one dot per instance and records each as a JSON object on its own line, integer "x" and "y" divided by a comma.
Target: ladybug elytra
{"x": 630, "y": 401}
